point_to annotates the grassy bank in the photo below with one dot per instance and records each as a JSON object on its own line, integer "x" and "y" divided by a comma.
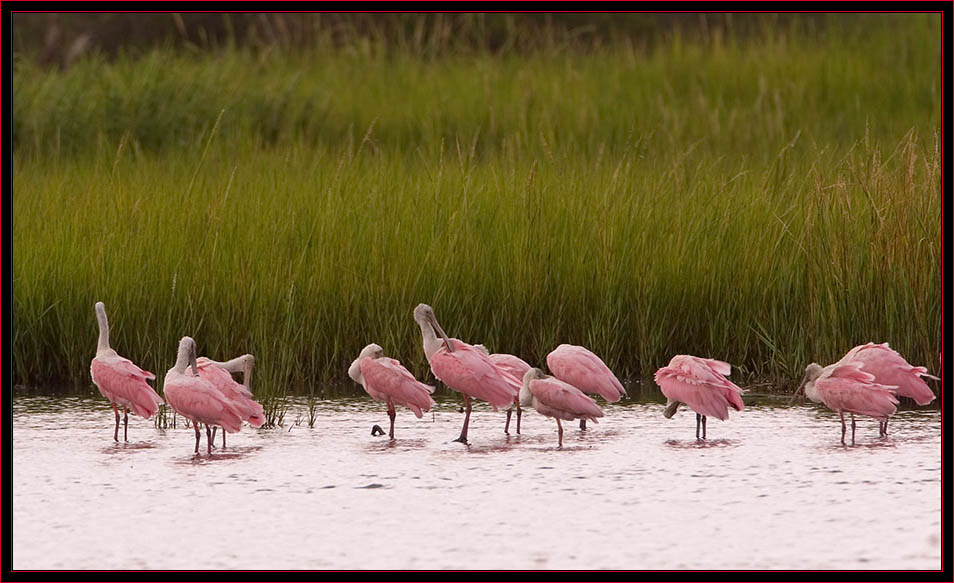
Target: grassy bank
{"x": 767, "y": 203}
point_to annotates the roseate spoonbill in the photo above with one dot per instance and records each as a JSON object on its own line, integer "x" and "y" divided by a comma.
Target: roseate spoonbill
{"x": 197, "y": 399}
{"x": 554, "y": 398}
{"x": 700, "y": 384}
{"x": 386, "y": 379}
{"x": 844, "y": 386}
{"x": 891, "y": 369}
{"x": 220, "y": 375}
{"x": 463, "y": 367}
{"x": 586, "y": 371}
{"x": 121, "y": 381}
{"x": 515, "y": 367}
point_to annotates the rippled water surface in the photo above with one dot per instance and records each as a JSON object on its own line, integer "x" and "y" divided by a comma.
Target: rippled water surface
{"x": 772, "y": 488}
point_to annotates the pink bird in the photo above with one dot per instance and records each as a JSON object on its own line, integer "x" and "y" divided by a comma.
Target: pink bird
{"x": 386, "y": 379}
{"x": 197, "y": 399}
{"x": 515, "y": 367}
{"x": 121, "y": 381}
{"x": 586, "y": 371}
{"x": 700, "y": 384}
{"x": 554, "y": 398}
{"x": 891, "y": 369}
{"x": 464, "y": 368}
{"x": 220, "y": 375}
{"x": 844, "y": 386}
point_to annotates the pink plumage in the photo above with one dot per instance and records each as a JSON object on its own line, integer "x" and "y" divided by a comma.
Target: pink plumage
{"x": 555, "y": 398}
{"x": 513, "y": 365}
{"x": 469, "y": 371}
{"x": 586, "y": 371}
{"x": 237, "y": 393}
{"x": 386, "y": 379}
{"x": 197, "y": 399}
{"x": 891, "y": 369}
{"x": 845, "y": 387}
{"x": 124, "y": 383}
{"x": 700, "y": 384}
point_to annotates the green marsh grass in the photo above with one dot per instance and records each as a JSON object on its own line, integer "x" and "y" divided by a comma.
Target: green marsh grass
{"x": 768, "y": 203}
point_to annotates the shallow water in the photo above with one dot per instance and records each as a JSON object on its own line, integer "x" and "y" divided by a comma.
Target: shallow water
{"x": 772, "y": 488}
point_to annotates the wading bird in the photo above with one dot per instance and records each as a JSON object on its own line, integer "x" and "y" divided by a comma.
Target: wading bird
{"x": 586, "y": 371}
{"x": 386, "y": 379}
{"x": 515, "y": 367}
{"x": 463, "y": 368}
{"x": 121, "y": 381}
{"x": 891, "y": 369}
{"x": 220, "y": 375}
{"x": 197, "y": 399}
{"x": 700, "y": 384}
{"x": 845, "y": 387}
{"x": 554, "y": 398}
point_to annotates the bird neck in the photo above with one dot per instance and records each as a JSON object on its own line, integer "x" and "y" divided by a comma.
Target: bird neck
{"x": 182, "y": 359}
{"x": 103, "y": 344}
{"x": 431, "y": 342}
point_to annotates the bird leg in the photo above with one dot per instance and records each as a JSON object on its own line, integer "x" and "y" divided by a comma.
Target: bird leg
{"x": 197, "y": 437}
{"x": 125, "y": 423}
{"x": 519, "y": 413}
{"x": 223, "y": 436}
{"x": 463, "y": 432}
{"x": 560, "y": 431}
{"x": 214, "y": 429}
{"x": 884, "y": 428}
{"x": 208, "y": 435}
{"x": 582, "y": 424}
{"x": 843, "y": 427}
{"x": 703, "y": 427}
{"x": 852, "y": 428}
{"x": 116, "y": 433}
{"x": 698, "y": 421}
{"x": 507, "y": 425}
{"x": 391, "y": 414}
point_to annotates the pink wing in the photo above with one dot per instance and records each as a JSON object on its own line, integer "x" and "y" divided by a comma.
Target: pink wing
{"x": 700, "y": 385}
{"x": 845, "y": 387}
{"x": 563, "y": 401}
{"x": 891, "y": 369}
{"x": 468, "y": 370}
{"x": 241, "y": 397}
{"x": 586, "y": 371}
{"x": 124, "y": 383}
{"x": 511, "y": 364}
{"x": 386, "y": 379}
{"x": 197, "y": 399}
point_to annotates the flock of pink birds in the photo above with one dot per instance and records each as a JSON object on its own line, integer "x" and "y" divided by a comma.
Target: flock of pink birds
{"x": 866, "y": 381}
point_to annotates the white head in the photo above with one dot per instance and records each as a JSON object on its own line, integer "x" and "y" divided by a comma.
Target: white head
{"x": 812, "y": 372}
{"x": 186, "y": 356}
{"x": 531, "y": 375}
{"x": 354, "y": 371}
{"x": 425, "y": 318}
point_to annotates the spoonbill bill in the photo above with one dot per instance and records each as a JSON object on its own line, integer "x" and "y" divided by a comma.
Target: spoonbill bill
{"x": 891, "y": 369}
{"x": 386, "y": 379}
{"x": 197, "y": 399}
{"x": 220, "y": 375}
{"x": 554, "y": 398}
{"x": 515, "y": 367}
{"x": 586, "y": 371}
{"x": 121, "y": 381}
{"x": 463, "y": 367}
{"x": 700, "y": 384}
